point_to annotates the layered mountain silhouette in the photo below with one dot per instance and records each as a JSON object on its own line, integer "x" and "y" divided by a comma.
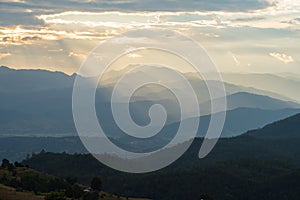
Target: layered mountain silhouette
{"x": 278, "y": 139}
{"x": 240, "y": 120}
{"x": 284, "y": 85}
{"x": 40, "y": 103}
{"x": 248, "y": 100}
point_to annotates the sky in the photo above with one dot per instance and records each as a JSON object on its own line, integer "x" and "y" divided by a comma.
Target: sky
{"x": 241, "y": 36}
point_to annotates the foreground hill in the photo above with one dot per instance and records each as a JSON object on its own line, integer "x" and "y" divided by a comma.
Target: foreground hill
{"x": 246, "y": 176}
{"x": 246, "y": 167}
{"x": 18, "y": 182}
{"x": 10, "y": 193}
{"x": 17, "y": 148}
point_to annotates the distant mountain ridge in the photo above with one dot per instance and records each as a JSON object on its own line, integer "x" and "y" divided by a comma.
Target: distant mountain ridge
{"x": 16, "y": 148}
{"x": 12, "y": 80}
{"x": 240, "y": 120}
{"x": 249, "y": 100}
{"x": 286, "y": 128}
{"x": 269, "y": 82}
{"x": 36, "y": 80}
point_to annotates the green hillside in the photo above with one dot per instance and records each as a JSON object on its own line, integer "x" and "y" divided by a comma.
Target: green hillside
{"x": 19, "y": 182}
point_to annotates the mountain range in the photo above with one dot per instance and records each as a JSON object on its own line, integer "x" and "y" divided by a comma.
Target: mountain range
{"x": 40, "y": 103}
{"x": 284, "y": 85}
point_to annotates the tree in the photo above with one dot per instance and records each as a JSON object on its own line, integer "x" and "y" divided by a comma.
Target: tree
{"x": 74, "y": 191}
{"x": 91, "y": 196}
{"x": 55, "y": 196}
{"x": 17, "y": 164}
{"x": 205, "y": 197}
{"x": 71, "y": 180}
{"x": 5, "y": 163}
{"x": 96, "y": 183}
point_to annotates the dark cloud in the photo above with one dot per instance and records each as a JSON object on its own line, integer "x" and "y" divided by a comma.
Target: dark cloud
{"x": 200, "y": 5}
{"x": 17, "y": 39}
{"x": 28, "y": 38}
{"x": 18, "y": 18}
{"x": 295, "y": 21}
{"x": 15, "y": 13}
{"x": 23, "y": 13}
{"x": 144, "y": 5}
{"x": 249, "y": 19}
{"x": 6, "y": 39}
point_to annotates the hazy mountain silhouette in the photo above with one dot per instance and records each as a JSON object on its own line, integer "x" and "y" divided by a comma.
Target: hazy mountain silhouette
{"x": 241, "y": 120}
{"x": 12, "y": 80}
{"x": 16, "y": 148}
{"x": 197, "y": 82}
{"x": 248, "y": 100}
{"x": 40, "y": 102}
{"x": 268, "y": 82}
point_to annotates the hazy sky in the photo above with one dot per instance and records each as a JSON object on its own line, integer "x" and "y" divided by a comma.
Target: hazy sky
{"x": 240, "y": 35}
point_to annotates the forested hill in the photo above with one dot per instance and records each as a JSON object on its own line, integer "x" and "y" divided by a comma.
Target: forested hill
{"x": 264, "y": 167}
{"x": 286, "y": 128}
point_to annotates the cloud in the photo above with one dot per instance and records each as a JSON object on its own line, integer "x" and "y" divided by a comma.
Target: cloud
{"x": 23, "y": 35}
{"x": 132, "y": 19}
{"x": 3, "y": 55}
{"x": 268, "y": 18}
{"x": 248, "y": 19}
{"x": 16, "y": 13}
{"x": 145, "y": 5}
{"x": 92, "y": 24}
{"x": 55, "y": 50}
{"x": 134, "y": 55}
{"x": 235, "y": 59}
{"x": 78, "y": 55}
{"x": 295, "y": 21}
{"x": 19, "y": 35}
{"x": 28, "y": 38}
{"x": 282, "y": 57}
{"x": 10, "y": 1}
{"x": 199, "y": 13}
{"x": 68, "y": 29}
